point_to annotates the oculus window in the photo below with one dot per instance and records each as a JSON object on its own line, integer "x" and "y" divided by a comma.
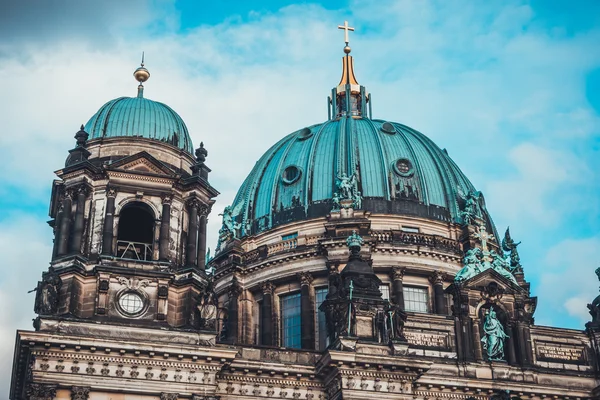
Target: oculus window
{"x": 416, "y": 299}
{"x": 291, "y": 321}
{"x": 131, "y": 303}
{"x": 290, "y": 174}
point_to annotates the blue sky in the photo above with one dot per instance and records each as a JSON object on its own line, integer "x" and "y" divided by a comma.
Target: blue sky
{"x": 510, "y": 88}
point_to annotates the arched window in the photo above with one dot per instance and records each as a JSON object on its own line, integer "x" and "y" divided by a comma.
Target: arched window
{"x": 136, "y": 232}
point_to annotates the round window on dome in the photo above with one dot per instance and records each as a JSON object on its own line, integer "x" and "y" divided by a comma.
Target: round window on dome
{"x": 403, "y": 167}
{"x": 290, "y": 174}
{"x": 388, "y": 128}
{"x": 131, "y": 303}
{"x": 304, "y": 134}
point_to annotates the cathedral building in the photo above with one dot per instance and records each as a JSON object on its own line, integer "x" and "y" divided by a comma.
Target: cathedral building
{"x": 357, "y": 261}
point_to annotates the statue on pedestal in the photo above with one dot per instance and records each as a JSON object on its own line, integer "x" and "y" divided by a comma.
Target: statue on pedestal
{"x": 494, "y": 336}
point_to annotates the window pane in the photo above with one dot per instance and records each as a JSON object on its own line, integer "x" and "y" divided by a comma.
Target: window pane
{"x": 385, "y": 291}
{"x": 321, "y": 331}
{"x": 416, "y": 299}
{"x": 291, "y": 321}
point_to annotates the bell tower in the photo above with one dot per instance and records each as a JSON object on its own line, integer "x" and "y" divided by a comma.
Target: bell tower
{"x": 129, "y": 213}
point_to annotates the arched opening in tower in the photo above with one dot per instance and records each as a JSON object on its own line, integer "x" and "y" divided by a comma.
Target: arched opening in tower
{"x": 135, "y": 235}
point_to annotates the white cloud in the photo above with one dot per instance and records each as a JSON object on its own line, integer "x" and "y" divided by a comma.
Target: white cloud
{"x": 567, "y": 281}
{"x": 25, "y": 245}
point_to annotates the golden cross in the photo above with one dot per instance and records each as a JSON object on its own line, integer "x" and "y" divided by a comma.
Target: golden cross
{"x": 346, "y": 28}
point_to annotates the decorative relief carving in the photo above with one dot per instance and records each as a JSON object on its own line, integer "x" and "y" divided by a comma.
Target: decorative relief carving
{"x": 132, "y": 283}
{"x": 398, "y": 273}
{"x": 90, "y": 370}
{"x": 267, "y": 288}
{"x": 437, "y": 278}
{"x": 111, "y": 192}
{"x": 167, "y": 199}
{"x": 305, "y": 278}
{"x": 38, "y": 391}
{"x": 134, "y": 373}
{"x": 80, "y": 393}
{"x": 105, "y": 371}
{"x": 169, "y": 396}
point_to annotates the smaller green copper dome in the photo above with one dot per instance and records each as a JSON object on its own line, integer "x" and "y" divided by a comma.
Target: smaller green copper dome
{"x": 139, "y": 117}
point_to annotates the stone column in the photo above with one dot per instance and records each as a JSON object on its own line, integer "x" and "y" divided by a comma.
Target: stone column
{"x": 192, "y": 237}
{"x": 232, "y": 315}
{"x": 165, "y": 228}
{"x": 307, "y": 312}
{"x": 203, "y": 212}
{"x": 437, "y": 279}
{"x": 78, "y": 226}
{"x": 266, "y": 323}
{"x": 65, "y": 224}
{"x": 477, "y": 341}
{"x": 57, "y": 223}
{"x": 510, "y": 344}
{"x": 109, "y": 217}
{"x": 397, "y": 288}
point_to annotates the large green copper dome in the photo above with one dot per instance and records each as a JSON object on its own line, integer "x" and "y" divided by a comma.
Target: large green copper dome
{"x": 139, "y": 117}
{"x": 398, "y": 170}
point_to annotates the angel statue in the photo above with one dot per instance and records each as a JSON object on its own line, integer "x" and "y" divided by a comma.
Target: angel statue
{"x": 346, "y": 186}
{"x": 509, "y": 246}
{"x": 471, "y": 208}
{"x": 230, "y": 226}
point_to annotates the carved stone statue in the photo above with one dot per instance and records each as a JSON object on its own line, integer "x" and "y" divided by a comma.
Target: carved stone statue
{"x": 336, "y": 202}
{"x": 207, "y": 307}
{"x": 46, "y": 301}
{"x": 471, "y": 209}
{"x": 500, "y": 265}
{"x": 472, "y": 265}
{"x": 229, "y": 225}
{"x": 346, "y": 194}
{"x": 494, "y": 336}
{"x": 395, "y": 319}
{"x": 509, "y": 246}
{"x": 346, "y": 186}
{"x": 594, "y": 308}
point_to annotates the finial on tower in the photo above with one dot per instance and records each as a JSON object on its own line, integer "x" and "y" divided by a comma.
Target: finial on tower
{"x": 349, "y": 99}
{"x": 346, "y": 29}
{"x": 141, "y": 75}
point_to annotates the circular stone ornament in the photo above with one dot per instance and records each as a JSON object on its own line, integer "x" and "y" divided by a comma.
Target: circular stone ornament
{"x": 404, "y": 168}
{"x": 131, "y": 303}
{"x": 388, "y": 128}
{"x": 291, "y": 174}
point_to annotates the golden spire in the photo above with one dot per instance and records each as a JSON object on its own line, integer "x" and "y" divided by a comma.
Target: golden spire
{"x": 141, "y": 75}
{"x": 347, "y": 62}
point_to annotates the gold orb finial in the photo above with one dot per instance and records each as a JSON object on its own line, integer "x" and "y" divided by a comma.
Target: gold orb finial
{"x": 141, "y": 74}
{"x": 347, "y": 49}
